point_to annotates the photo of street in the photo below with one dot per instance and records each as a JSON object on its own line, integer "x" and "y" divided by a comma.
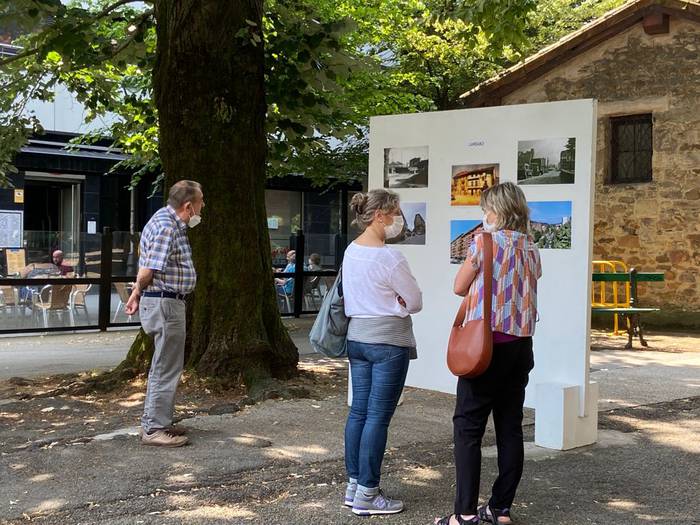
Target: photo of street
{"x": 546, "y": 161}
{"x": 406, "y": 167}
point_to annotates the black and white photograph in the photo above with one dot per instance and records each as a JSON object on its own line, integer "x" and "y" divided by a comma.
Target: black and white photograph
{"x": 406, "y": 167}
{"x": 547, "y": 161}
{"x": 415, "y": 224}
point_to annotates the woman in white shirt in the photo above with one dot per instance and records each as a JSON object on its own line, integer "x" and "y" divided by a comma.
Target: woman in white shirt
{"x": 380, "y": 293}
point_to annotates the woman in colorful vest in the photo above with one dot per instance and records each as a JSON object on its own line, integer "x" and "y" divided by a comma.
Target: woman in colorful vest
{"x": 501, "y": 389}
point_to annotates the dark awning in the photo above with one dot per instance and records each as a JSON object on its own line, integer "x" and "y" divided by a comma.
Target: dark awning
{"x": 56, "y": 156}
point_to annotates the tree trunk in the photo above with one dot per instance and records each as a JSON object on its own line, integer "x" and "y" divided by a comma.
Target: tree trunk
{"x": 210, "y": 94}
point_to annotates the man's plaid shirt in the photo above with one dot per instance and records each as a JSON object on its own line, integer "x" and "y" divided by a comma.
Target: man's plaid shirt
{"x": 166, "y": 250}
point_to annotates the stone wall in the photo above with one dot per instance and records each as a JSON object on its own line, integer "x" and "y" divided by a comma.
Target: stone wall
{"x": 654, "y": 225}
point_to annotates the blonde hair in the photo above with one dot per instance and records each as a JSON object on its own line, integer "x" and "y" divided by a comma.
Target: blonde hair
{"x": 364, "y": 205}
{"x": 508, "y": 202}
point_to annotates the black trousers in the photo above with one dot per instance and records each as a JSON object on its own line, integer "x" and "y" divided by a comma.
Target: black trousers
{"x": 501, "y": 390}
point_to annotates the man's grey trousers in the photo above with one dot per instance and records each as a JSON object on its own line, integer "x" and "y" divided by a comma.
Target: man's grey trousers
{"x": 164, "y": 320}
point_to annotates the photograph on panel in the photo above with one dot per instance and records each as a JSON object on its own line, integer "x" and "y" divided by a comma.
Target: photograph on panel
{"x": 550, "y": 224}
{"x": 406, "y": 167}
{"x": 461, "y": 236}
{"x": 470, "y": 180}
{"x": 547, "y": 161}
{"x": 415, "y": 224}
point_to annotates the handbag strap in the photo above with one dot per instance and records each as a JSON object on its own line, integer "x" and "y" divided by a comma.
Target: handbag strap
{"x": 488, "y": 284}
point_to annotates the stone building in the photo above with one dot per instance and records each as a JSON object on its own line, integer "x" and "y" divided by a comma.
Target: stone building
{"x": 642, "y": 63}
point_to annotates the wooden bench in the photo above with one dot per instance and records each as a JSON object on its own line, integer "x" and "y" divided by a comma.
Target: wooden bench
{"x": 633, "y": 311}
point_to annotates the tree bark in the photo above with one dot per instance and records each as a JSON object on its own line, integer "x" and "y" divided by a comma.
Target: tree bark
{"x": 210, "y": 95}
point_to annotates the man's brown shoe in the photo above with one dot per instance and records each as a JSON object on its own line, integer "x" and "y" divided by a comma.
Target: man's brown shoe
{"x": 163, "y": 438}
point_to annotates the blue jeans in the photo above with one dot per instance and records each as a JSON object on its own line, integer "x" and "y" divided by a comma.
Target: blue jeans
{"x": 378, "y": 375}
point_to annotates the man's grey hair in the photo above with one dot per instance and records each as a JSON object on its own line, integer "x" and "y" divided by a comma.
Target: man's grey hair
{"x": 184, "y": 191}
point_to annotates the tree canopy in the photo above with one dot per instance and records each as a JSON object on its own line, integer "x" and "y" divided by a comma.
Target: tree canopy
{"x": 329, "y": 66}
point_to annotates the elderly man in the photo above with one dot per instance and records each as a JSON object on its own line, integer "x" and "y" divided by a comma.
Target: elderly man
{"x": 166, "y": 275}
{"x": 286, "y": 285}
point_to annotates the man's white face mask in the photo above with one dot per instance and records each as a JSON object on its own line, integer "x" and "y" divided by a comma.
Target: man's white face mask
{"x": 195, "y": 219}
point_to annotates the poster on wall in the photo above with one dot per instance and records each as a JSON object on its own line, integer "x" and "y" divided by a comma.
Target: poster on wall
{"x": 470, "y": 180}
{"x": 550, "y": 224}
{"x": 547, "y": 161}
{"x": 11, "y": 227}
{"x": 461, "y": 236}
{"x": 415, "y": 224}
{"x": 406, "y": 167}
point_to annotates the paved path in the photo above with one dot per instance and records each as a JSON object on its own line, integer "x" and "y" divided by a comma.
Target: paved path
{"x": 631, "y": 378}
{"x": 280, "y": 462}
{"x": 626, "y": 377}
{"x": 36, "y": 356}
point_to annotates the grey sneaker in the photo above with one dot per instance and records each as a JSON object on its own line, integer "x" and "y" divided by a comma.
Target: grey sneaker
{"x": 162, "y": 438}
{"x": 375, "y": 504}
{"x": 350, "y": 494}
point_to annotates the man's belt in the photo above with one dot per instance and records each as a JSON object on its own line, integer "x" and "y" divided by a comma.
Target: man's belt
{"x": 168, "y": 295}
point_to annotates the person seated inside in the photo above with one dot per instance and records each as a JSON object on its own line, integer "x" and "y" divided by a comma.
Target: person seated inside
{"x": 285, "y": 285}
{"x": 57, "y": 258}
{"x": 314, "y": 263}
{"x": 34, "y": 271}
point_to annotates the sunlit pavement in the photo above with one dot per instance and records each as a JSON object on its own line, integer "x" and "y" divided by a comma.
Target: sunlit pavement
{"x": 281, "y": 462}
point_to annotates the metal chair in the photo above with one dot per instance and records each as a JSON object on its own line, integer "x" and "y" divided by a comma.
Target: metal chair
{"x": 284, "y": 299}
{"x": 77, "y": 297}
{"x": 313, "y": 297}
{"x": 54, "y": 299}
{"x": 9, "y": 299}
{"x": 123, "y": 293}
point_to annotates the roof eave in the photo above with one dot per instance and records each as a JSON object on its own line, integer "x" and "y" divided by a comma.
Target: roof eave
{"x": 589, "y": 36}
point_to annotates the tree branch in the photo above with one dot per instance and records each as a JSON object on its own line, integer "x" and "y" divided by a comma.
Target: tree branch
{"x": 127, "y": 41}
{"x": 19, "y": 56}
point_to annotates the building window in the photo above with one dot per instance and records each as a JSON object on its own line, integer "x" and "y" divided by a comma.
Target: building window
{"x": 631, "y": 149}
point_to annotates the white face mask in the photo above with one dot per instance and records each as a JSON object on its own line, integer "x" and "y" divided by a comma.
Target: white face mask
{"x": 395, "y": 228}
{"x": 489, "y": 227}
{"x": 194, "y": 220}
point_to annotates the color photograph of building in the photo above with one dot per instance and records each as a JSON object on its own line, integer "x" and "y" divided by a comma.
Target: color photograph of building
{"x": 470, "y": 180}
{"x": 461, "y": 236}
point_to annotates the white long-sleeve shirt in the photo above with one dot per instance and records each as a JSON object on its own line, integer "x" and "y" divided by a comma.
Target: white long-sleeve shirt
{"x": 373, "y": 280}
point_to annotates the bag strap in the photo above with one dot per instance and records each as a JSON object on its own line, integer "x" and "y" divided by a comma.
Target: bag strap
{"x": 488, "y": 284}
{"x": 488, "y": 277}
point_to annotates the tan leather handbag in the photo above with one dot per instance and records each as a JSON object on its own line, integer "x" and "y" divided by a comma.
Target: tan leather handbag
{"x": 471, "y": 345}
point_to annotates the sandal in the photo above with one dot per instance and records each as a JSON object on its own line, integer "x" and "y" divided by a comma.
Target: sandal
{"x": 460, "y": 520}
{"x": 487, "y": 512}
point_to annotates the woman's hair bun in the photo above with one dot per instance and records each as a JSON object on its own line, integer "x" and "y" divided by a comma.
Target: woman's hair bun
{"x": 358, "y": 203}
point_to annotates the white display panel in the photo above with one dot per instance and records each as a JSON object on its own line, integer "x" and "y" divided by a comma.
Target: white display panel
{"x": 476, "y": 139}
